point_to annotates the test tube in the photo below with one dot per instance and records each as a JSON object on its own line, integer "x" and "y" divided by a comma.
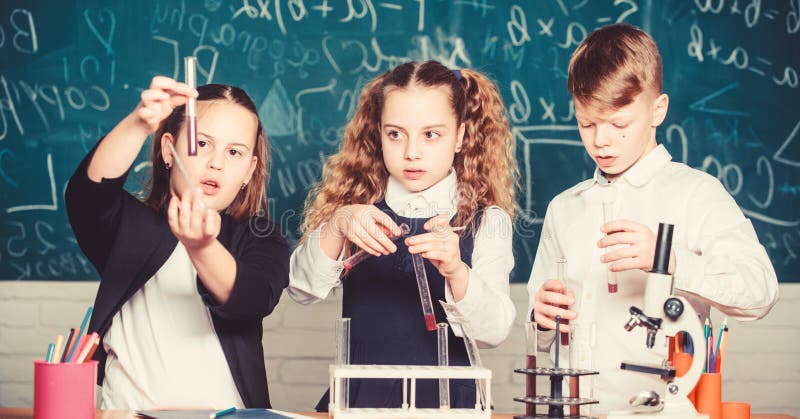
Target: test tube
{"x": 474, "y": 360}
{"x": 343, "y": 357}
{"x": 574, "y": 388}
{"x": 424, "y": 292}
{"x": 561, "y": 276}
{"x": 189, "y": 66}
{"x": 181, "y": 168}
{"x": 611, "y": 277}
{"x": 556, "y": 411}
{"x": 361, "y": 255}
{"x": 531, "y": 347}
{"x": 443, "y": 361}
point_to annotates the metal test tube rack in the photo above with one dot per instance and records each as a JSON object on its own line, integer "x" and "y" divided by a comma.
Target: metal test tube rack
{"x": 555, "y": 402}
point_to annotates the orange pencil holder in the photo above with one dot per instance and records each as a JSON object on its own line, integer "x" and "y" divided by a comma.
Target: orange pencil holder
{"x": 64, "y": 390}
{"x": 735, "y": 410}
{"x": 709, "y": 395}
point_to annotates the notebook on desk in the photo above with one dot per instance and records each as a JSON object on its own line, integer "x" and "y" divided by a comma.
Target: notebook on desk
{"x": 205, "y": 414}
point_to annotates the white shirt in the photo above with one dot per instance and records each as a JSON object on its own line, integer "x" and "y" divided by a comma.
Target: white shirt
{"x": 719, "y": 262}
{"x": 162, "y": 349}
{"x": 486, "y": 308}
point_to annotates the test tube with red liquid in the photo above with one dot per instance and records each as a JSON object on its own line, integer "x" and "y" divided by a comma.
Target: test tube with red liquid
{"x": 561, "y": 276}
{"x": 424, "y": 291}
{"x": 189, "y": 66}
{"x": 361, "y": 255}
{"x": 611, "y": 277}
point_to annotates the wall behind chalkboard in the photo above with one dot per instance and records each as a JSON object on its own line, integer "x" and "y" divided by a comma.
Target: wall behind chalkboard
{"x": 70, "y": 69}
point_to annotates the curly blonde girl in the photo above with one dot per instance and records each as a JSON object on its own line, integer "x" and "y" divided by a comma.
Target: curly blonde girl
{"x": 486, "y": 169}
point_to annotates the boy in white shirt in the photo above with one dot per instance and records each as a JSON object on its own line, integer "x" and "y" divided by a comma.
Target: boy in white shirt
{"x": 615, "y": 78}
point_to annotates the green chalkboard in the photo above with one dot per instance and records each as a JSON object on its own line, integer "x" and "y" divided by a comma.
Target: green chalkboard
{"x": 70, "y": 69}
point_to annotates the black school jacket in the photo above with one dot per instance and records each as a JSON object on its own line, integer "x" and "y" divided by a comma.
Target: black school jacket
{"x": 128, "y": 242}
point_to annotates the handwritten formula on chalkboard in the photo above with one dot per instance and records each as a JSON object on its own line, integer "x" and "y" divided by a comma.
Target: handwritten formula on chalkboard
{"x": 69, "y": 70}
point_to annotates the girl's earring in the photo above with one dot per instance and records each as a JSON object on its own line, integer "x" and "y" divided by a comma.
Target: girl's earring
{"x": 169, "y": 166}
{"x": 244, "y": 185}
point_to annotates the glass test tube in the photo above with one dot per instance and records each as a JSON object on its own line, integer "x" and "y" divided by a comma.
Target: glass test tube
{"x": 574, "y": 389}
{"x": 556, "y": 411}
{"x": 361, "y": 255}
{"x": 611, "y": 277}
{"x": 475, "y": 361}
{"x": 561, "y": 276}
{"x": 531, "y": 347}
{"x": 343, "y": 358}
{"x": 189, "y": 66}
{"x": 443, "y": 361}
{"x": 424, "y": 292}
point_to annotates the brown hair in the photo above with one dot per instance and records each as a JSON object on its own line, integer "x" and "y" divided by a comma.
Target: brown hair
{"x": 248, "y": 202}
{"x": 486, "y": 167}
{"x": 613, "y": 65}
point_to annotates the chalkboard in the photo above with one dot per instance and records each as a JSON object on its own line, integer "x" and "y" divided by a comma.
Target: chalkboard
{"x": 70, "y": 69}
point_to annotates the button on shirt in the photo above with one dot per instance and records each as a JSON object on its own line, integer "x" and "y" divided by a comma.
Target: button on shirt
{"x": 486, "y": 308}
{"x": 719, "y": 263}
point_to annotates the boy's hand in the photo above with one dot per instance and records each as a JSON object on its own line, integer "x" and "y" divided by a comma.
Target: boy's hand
{"x": 158, "y": 101}
{"x": 440, "y": 246}
{"x": 365, "y": 226}
{"x": 194, "y": 224}
{"x": 548, "y": 302}
{"x": 640, "y": 249}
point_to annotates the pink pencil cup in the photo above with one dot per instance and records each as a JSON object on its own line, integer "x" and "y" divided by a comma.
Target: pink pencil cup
{"x": 64, "y": 391}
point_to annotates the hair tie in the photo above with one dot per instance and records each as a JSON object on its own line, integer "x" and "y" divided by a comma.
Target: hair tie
{"x": 457, "y": 73}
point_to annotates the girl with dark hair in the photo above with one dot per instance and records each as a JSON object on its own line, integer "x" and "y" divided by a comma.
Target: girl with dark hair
{"x": 429, "y": 147}
{"x": 185, "y": 281}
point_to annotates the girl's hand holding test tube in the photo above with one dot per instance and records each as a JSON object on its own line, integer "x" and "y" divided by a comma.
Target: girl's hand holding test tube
{"x": 441, "y": 247}
{"x": 191, "y": 221}
{"x": 158, "y": 101}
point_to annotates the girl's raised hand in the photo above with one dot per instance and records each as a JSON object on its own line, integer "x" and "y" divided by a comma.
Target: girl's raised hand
{"x": 440, "y": 246}
{"x": 365, "y": 226}
{"x": 158, "y": 101}
{"x": 194, "y": 224}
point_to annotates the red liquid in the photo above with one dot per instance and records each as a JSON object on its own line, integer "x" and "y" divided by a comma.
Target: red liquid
{"x": 574, "y": 392}
{"x": 613, "y": 288}
{"x": 564, "y": 335}
{"x": 530, "y": 385}
{"x": 430, "y": 322}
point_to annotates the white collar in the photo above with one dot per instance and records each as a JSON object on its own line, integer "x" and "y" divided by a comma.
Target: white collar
{"x": 440, "y": 198}
{"x": 639, "y": 174}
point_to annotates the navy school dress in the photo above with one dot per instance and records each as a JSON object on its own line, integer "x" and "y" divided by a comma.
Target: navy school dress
{"x": 387, "y": 326}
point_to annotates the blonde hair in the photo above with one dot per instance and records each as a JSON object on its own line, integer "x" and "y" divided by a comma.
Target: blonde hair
{"x": 250, "y": 201}
{"x": 613, "y": 65}
{"x": 486, "y": 168}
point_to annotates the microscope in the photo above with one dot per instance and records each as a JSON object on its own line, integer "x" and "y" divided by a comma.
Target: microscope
{"x": 670, "y": 314}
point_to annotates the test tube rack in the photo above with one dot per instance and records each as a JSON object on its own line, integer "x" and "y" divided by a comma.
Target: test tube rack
{"x": 556, "y": 403}
{"x": 340, "y": 374}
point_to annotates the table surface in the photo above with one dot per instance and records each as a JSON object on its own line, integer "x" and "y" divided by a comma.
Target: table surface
{"x": 25, "y": 413}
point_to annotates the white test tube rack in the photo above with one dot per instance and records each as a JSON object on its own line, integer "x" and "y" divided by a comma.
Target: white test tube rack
{"x": 340, "y": 374}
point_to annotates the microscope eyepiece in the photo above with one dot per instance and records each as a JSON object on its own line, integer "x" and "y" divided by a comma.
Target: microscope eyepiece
{"x": 663, "y": 246}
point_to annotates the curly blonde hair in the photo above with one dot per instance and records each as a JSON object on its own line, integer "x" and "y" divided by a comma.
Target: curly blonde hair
{"x": 486, "y": 168}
